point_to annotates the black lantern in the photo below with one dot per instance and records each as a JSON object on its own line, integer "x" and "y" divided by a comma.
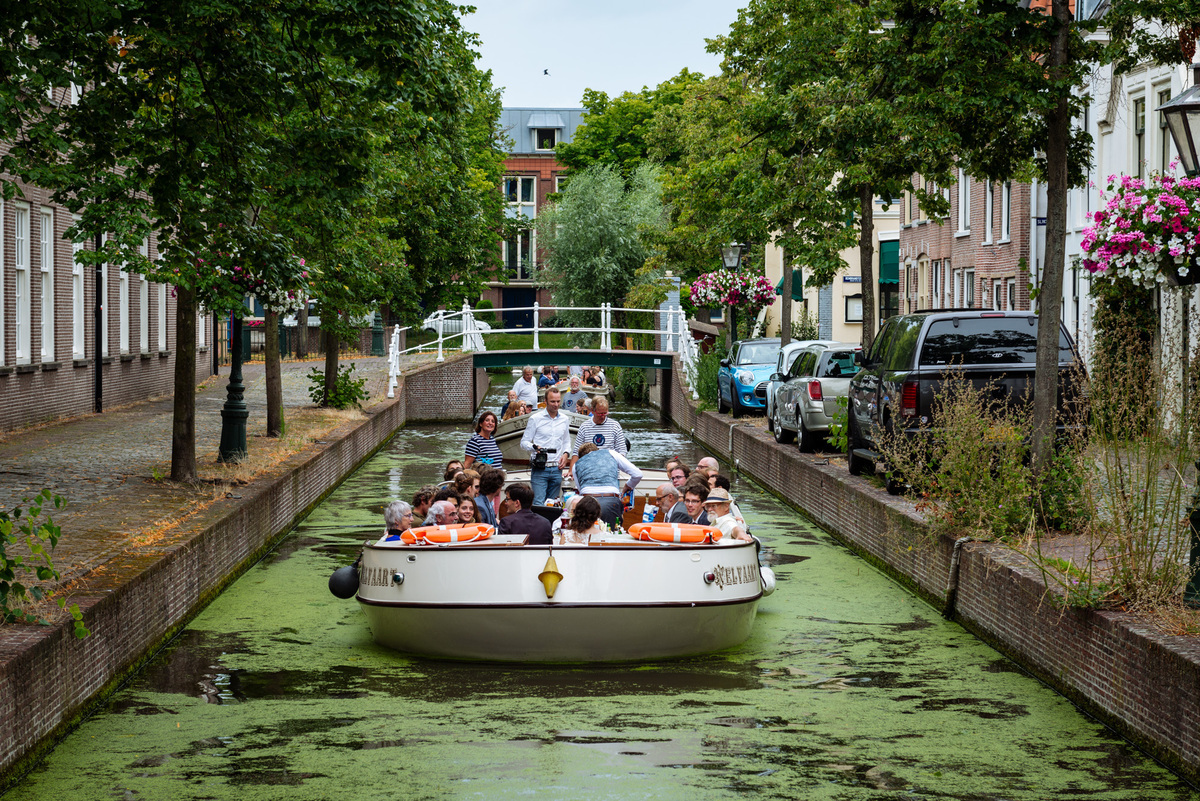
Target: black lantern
{"x": 731, "y": 254}
{"x": 1183, "y": 120}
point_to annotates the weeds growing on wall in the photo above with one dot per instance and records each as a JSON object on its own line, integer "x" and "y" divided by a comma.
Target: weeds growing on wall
{"x": 27, "y": 536}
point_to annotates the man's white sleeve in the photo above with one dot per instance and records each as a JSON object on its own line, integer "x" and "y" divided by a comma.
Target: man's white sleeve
{"x": 628, "y": 468}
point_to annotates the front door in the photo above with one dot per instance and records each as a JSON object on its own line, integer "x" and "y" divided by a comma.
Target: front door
{"x": 521, "y": 300}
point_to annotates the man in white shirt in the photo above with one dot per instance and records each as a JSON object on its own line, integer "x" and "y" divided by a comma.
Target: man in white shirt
{"x": 526, "y": 388}
{"x": 551, "y": 432}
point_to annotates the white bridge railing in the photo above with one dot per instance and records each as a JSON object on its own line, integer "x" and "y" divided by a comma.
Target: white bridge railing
{"x": 460, "y": 331}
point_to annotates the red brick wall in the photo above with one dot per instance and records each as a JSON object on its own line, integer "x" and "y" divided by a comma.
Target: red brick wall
{"x": 1144, "y": 684}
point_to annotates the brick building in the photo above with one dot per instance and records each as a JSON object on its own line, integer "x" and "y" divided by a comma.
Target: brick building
{"x": 978, "y": 256}
{"x": 48, "y": 348}
{"x": 531, "y": 174}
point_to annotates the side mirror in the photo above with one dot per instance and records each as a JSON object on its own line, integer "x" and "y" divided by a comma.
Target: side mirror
{"x": 780, "y": 377}
{"x": 724, "y": 362}
{"x": 860, "y": 358}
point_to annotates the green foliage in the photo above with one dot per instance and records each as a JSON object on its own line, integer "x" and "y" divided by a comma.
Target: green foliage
{"x": 630, "y": 384}
{"x": 706, "y": 375}
{"x": 19, "y": 572}
{"x": 839, "y": 436}
{"x": 806, "y": 328}
{"x": 484, "y": 313}
{"x": 347, "y": 390}
{"x": 593, "y": 238}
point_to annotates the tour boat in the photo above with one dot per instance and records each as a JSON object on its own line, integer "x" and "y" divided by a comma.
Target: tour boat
{"x": 564, "y": 387}
{"x": 509, "y": 432}
{"x": 469, "y": 595}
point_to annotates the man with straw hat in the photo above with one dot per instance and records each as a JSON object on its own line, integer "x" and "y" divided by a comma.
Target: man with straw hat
{"x": 717, "y": 505}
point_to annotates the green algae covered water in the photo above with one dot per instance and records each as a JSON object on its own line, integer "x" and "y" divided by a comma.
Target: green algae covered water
{"x": 849, "y": 688}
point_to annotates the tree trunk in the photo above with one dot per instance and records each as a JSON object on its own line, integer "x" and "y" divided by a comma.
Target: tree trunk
{"x": 302, "y": 332}
{"x": 1049, "y": 300}
{"x": 331, "y": 364}
{"x": 183, "y": 423}
{"x": 785, "y": 324}
{"x": 274, "y": 377}
{"x": 866, "y": 262}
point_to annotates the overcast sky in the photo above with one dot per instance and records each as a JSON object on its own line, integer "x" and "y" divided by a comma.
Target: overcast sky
{"x": 610, "y": 45}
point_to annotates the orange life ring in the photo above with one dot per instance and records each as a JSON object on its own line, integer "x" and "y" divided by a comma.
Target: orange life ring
{"x": 684, "y": 533}
{"x": 470, "y": 532}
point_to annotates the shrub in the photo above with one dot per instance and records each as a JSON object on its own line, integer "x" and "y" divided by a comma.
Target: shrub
{"x": 706, "y": 375}
{"x": 347, "y": 390}
{"x": 484, "y": 313}
{"x": 18, "y": 572}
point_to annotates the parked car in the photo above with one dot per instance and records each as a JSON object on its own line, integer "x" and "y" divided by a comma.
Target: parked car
{"x": 894, "y": 392}
{"x": 749, "y": 363}
{"x": 782, "y": 363}
{"x": 807, "y": 399}
{"x": 452, "y": 325}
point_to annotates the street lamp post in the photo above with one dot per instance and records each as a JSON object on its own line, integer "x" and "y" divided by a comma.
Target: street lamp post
{"x": 1183, "y": 121}
{"x": 234, "y": 412}
{"x": 731, "y": 256}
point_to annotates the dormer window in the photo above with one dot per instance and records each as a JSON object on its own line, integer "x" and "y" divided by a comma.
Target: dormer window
{"x": 545, "y": 138}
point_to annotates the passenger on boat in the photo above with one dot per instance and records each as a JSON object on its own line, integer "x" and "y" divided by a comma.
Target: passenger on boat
{"x": 525, "y": 522}
{"x": 447, "y": 493}
{"x": 571, "y": 399}
{"x": 717, "y": 504}
{"x": 597, "y": 476}
{"x": 398, "y": 518}
{"x": 547, "y": 379}
{"x": 422, "y": 498}
{"x": 679, "y": 474}
{"x": 467, "y": 511}
{"x": 723, "y": 482}
{"x": 602, "y": 430}
{"x": 598, "y": 376}
{"x": 565, "y": 517}
{"x": 515, "y": 409}
{"x": 452, "y": 467}
{"x": 666, "y": 497}
{"x": 709, "y": 463}
{"x": 585, "y": 521}
{"x": 526, "y": 387}
{"x": 512, "y": 396}
{"x": 466, "y": 484}
{"x": 442, "y": 513}
{"x": 590, "y": 379}
{"x": 694, "y": 496}
{"x": 491, "y": 487}
{"x": 482, "y": 447}
{"x": 547, "y": 431}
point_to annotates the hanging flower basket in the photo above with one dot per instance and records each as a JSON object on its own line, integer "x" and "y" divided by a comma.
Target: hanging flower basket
{"x": 1149, "y": 231}
{"x": 737, "y": 289}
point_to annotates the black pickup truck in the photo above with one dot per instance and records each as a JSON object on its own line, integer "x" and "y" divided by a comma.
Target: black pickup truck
{"x": 894, "y": 391}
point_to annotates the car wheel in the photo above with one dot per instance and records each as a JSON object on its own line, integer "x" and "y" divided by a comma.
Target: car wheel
{"x": 782, "y": 435}
{"x": 721, "y": 407}
{"x": 806, "y": 441}
{"x": 735, "y": 407}
{"x": 895, "y": 484}
{"x": 771, "y": 424}
{"x": 856, "y": 464}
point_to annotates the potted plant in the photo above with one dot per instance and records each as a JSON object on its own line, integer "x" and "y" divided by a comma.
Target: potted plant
{"x": 1149, "y": 231}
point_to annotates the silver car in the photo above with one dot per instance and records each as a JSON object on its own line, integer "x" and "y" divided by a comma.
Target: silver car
{"x": 786, "y": 353}
{"x": 807, "y": 400}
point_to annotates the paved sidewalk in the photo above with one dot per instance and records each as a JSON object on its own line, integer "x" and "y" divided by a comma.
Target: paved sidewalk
{"x": 103, "y": 464}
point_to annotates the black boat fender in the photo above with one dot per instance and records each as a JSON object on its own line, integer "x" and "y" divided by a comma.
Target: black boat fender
{"x": 343, "y": 583}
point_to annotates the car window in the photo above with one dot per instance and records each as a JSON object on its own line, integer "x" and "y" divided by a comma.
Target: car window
{"x": 794, "y": 369}
{"x": 838, "y": 364}
{"x": 987, "y": 340}
{"x": 879, "y": 346}
{"x": 807, "y": 362}
{"x": 903, "y": 343}
{"x": 757, "y": 353}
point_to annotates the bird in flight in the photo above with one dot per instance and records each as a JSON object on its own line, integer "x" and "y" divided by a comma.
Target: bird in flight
{"x": 545, "y": 72}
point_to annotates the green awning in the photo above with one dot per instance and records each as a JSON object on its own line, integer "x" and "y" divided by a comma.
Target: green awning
{"x": 889, "y": 262}
{"x": 797, "y": 286}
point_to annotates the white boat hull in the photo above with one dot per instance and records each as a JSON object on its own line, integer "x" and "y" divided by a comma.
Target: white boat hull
{"x": 614, "y": 603}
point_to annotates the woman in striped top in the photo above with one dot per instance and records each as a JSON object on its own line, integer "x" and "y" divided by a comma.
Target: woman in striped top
{"x": 482, "y": 447}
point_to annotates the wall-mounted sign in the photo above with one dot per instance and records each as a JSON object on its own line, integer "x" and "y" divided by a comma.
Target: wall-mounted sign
{"x": 852, "y": 279}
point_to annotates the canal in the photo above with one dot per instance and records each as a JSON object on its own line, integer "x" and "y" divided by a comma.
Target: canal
{"x": 849, "y": 688}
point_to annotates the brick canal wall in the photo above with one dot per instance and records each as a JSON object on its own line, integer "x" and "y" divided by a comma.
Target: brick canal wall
{"x": 1142, "y": 683}
{"x": 49, "y": 680}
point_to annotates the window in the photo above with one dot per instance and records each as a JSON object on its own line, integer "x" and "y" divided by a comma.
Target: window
{"x": 958, "y": 290}
{"x": 854, "y": 308}
{"x": 1011, "y": 287}
{"x": 47, "y": 265}
{"x": 964, "y": 203}
{"x": 22, "y": 322}
{"x": 518, "y": 252}
{"x": 969, "y": 288}
{"x": 520, "y": 191}
{"x": 997, "y": 294}
{"x": 144, "y": 306}
{"x": 716, "y": 315}
{"x": 123, "y": 308}
{"x": 1164, "y": 136}
{"x": 935, "y": 283}
{"x": 162, "y": 317}
{"x": 545, "y": 138}
{"x": 947, "y": 284}
{"x": 1005, "y": 211}
{"x": 989, "y": 198}
{"x": 77, "y": 313}
{"x": 906, "y": 215}
{"x": 1139, "y": 137}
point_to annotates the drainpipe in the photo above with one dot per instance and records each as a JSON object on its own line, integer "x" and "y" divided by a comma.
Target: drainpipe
{"x": 952, "y": 580}
{"x": 98, "y": 333}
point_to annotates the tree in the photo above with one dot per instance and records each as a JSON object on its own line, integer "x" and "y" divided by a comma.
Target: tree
{"x": 174, "y": 132}
{"x": 593, "y": 238}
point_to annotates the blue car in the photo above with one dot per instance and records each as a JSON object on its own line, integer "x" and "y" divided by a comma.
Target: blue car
{"x": 750, "y": 362}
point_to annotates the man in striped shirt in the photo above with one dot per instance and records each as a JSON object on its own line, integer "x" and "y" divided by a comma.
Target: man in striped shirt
{"x": 601, "y": 430}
